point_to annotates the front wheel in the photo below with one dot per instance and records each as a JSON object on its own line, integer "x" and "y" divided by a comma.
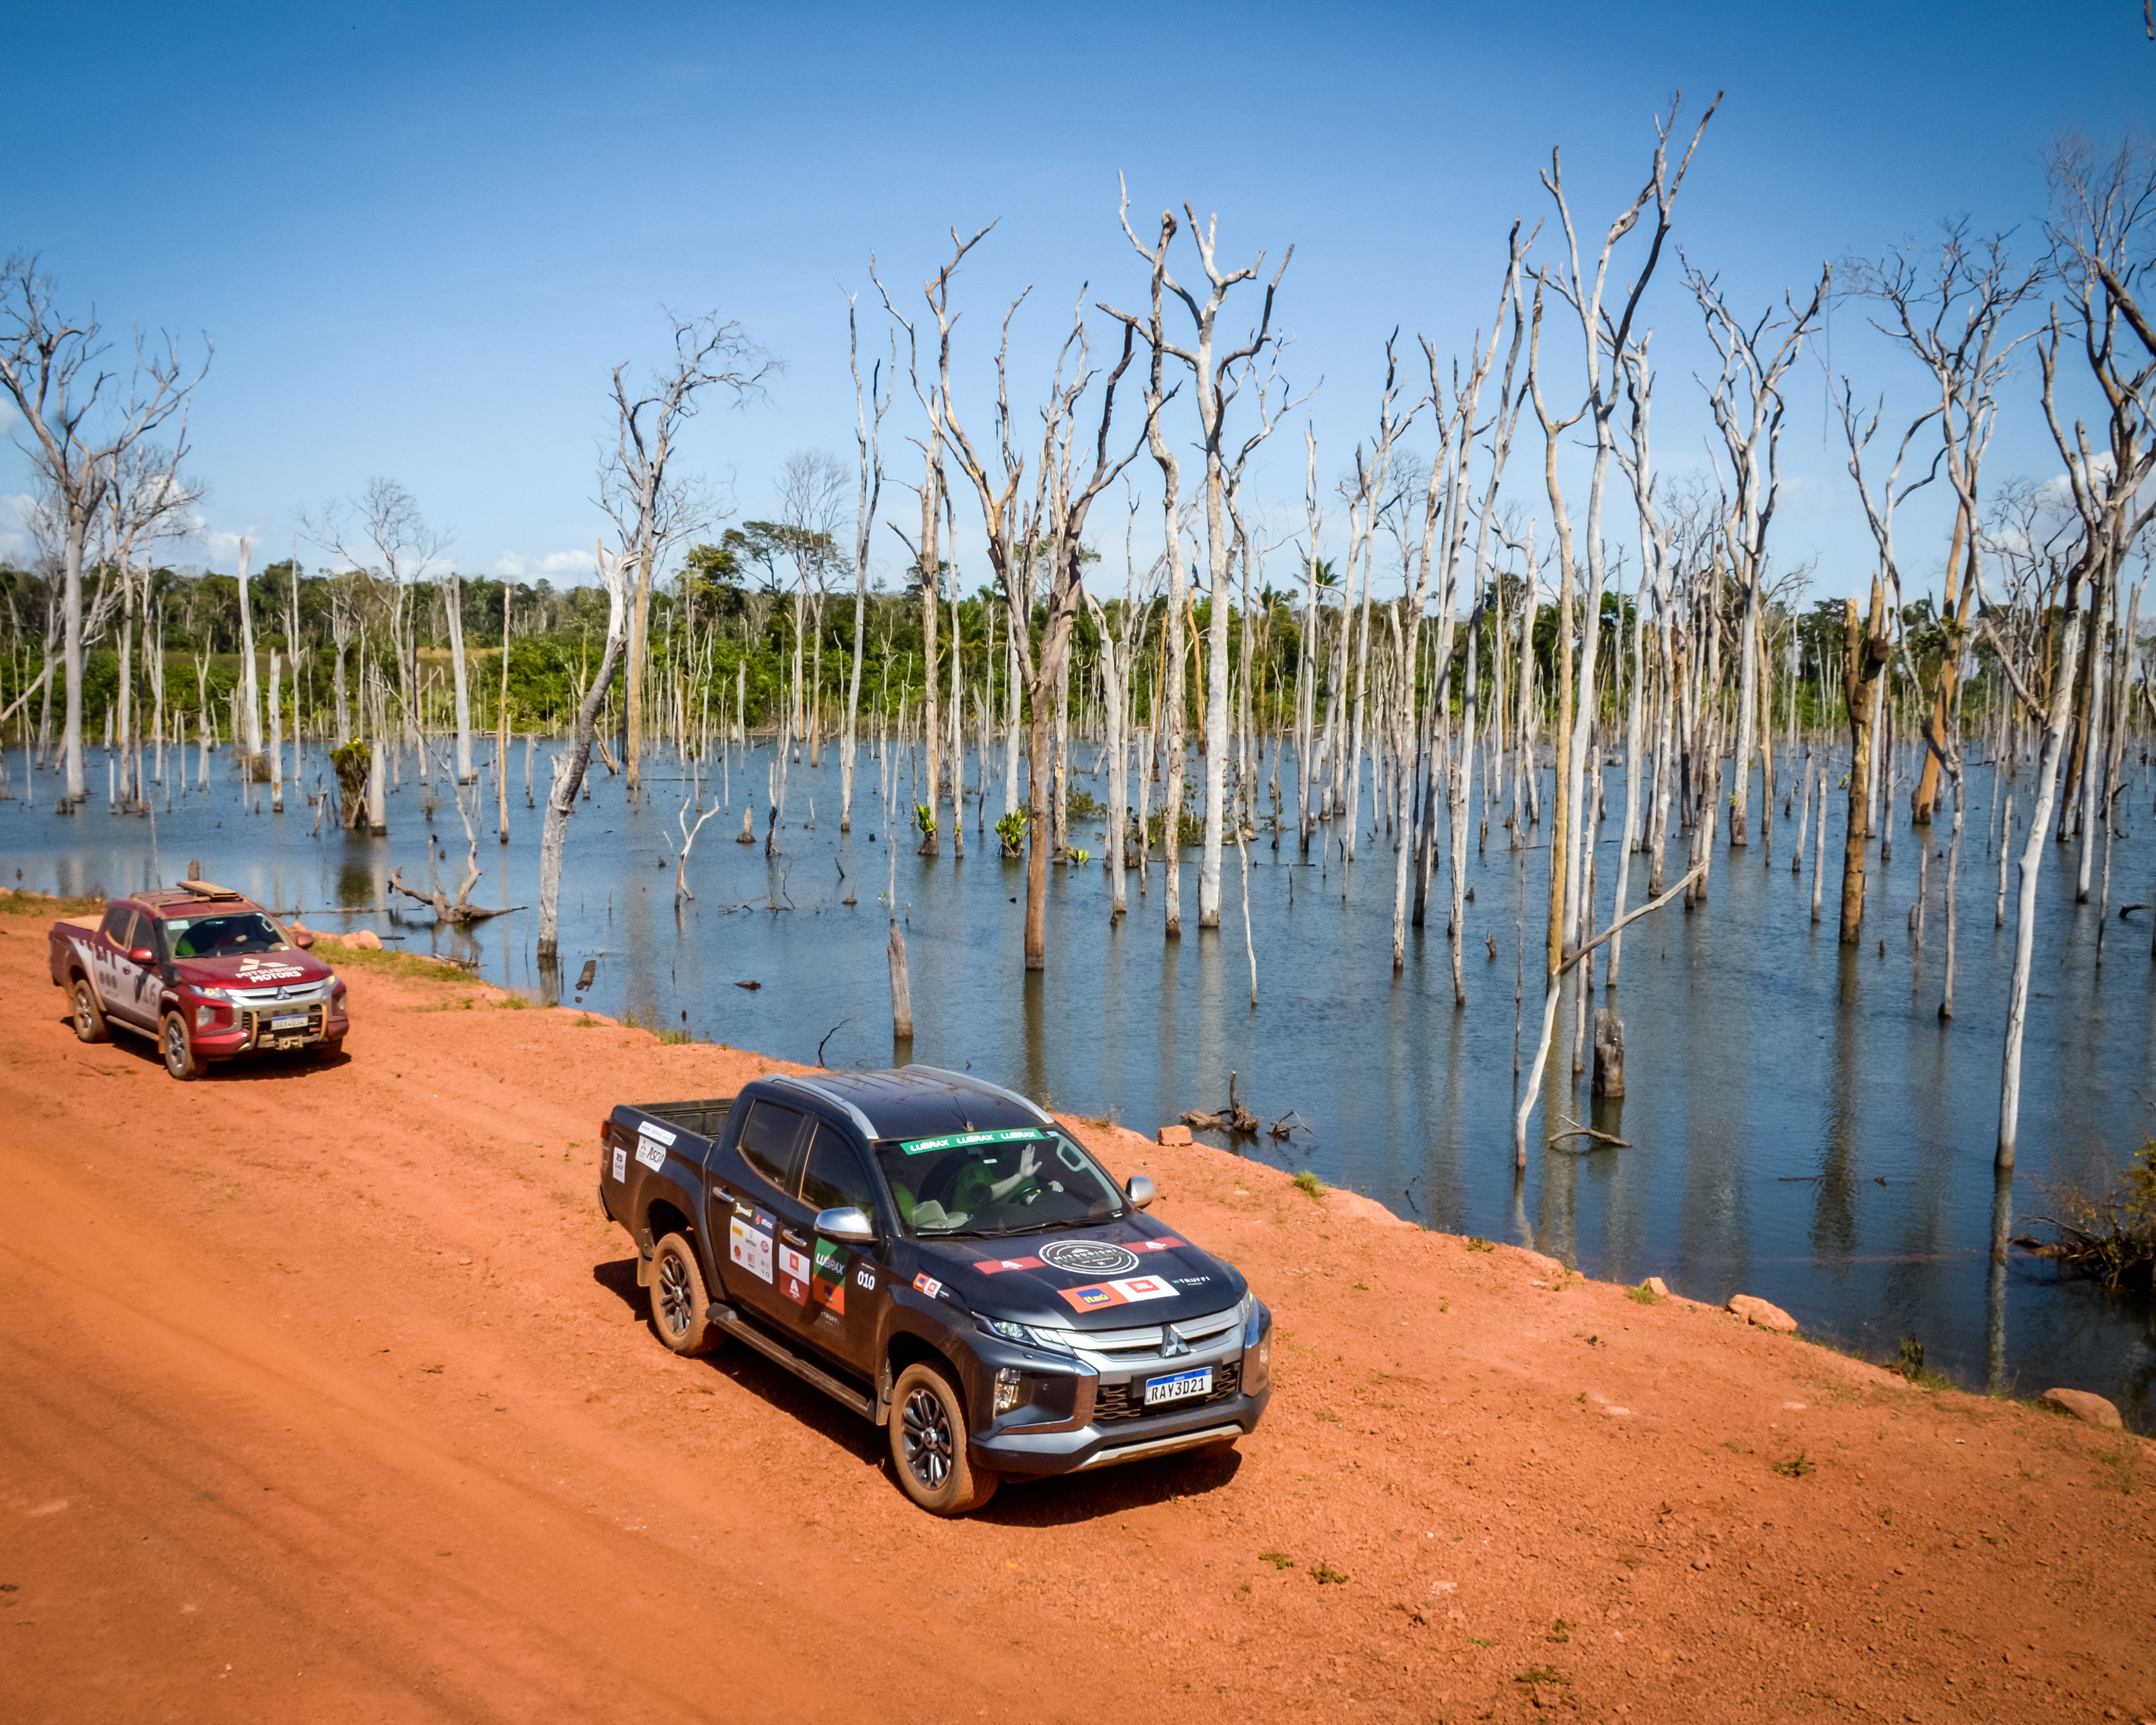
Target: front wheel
{"x": 88, "y": 1015}
{"x": 177, "y": 1043}
{"x": 680, "y": 1312}
{"x": 928, "y": 1444}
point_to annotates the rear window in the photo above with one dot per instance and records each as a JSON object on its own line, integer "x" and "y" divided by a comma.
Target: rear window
{"x": 117, "y": 921}
{"x": 767, "y": 1139}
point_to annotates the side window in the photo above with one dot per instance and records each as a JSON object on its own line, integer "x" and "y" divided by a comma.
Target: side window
{"x": 835, "y": 1179}
{"x": 119, "y": 921}
{"x": 768, "y": 1140}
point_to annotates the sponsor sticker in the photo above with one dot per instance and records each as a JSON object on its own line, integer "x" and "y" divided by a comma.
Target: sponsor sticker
{"x": 923, "y": 1147}
{"x": 652, "y": 1155}
{"x": 1165, "y": 1243}
{"x": 620, "y": 1162}
{"x": 827, "y": 1282}
{"x": 793, "y": 1274}
{"x": 1127, "y": 1291}
{"x": 749, "y": 1240}
{"x": 928, "y": 1285}
{"x": 996, "y": 1266}
{"x": 645, "y": 1129}
{"x": 865, "y": 1277}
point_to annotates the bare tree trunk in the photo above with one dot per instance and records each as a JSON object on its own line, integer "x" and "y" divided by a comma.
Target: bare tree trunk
{"x": 1866, "y": 653}
{"x": 453, "y": 608}
{"x": 569, "y": 768}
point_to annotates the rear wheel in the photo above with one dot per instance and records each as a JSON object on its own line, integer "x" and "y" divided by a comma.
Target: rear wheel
{"x": 679, "y": 1310}
{"x": 928, "y": 1444}
{"x": 88, "y": 1015}
{"x": 177, "y": 1042}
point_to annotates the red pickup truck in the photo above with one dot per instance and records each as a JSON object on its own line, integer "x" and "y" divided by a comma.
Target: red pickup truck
{"x": 205, "y": 972}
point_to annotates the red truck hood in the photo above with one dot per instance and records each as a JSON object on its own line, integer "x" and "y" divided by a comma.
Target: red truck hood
{"x": 254, "y": 970}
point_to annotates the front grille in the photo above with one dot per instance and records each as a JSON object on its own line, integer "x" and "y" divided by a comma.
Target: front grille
{"x": 258, "y": 1023}
{"x": 1125, "y": 1401}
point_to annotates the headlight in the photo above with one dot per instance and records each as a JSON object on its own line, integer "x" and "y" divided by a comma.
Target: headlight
{"x": 1007, "y": 1390}
{"x": 1257, "y": 1348}
{"x": 1023, "y": 1336}
{"x": 214, "y": 993}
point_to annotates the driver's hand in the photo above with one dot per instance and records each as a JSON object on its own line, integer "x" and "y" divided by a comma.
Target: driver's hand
{"x": 1026, "y": 1165}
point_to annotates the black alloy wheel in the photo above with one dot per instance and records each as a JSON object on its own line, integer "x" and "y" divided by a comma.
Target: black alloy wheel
{"x": 676, "y": 1309}
{"x": 929, "y": 1442}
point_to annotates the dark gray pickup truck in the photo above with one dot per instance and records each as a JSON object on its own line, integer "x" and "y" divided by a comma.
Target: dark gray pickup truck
{"x": 940, "y": 1255}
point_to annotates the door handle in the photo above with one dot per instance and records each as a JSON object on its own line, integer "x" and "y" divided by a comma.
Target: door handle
{"x": 792, "y": 1239}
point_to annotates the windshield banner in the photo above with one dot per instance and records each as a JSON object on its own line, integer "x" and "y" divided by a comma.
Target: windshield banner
{"x": 921, "y": 1147}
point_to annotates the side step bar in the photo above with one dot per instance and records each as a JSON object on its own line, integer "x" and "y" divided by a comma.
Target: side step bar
{"x": 728, "y": 1319}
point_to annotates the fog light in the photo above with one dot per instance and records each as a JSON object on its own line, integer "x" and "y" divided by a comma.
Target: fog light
{"x": 205, "y": 1016}
{"x": 1007, "y": 1387}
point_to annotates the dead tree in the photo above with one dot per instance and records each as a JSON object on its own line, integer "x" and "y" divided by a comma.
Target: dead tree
{"x": 869, "y": 408}
{"x": 53, "y": 371}
{"x": 650, "y": 508}
{"x": 569, "y": 766}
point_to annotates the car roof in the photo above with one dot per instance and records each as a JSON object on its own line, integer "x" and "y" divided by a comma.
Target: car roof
{"x": 169, "y": 902}
{"x": 919, "y": 1101}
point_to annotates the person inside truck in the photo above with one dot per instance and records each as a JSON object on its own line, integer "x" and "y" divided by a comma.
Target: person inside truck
{"x": 227, "y": 936}
{"x": 975, "y": 1188}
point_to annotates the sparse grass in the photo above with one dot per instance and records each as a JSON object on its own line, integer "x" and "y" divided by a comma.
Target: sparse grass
{"x": 408, "y": 967}
{"x": 1561, "y": 1630}
{"x": 1324, "y": 1575}
{"x": 1542, "y": 1674}
{"x": 513, "y": 1003}
{"x": 1796, "y": 1466}
{"x": 1643, "y": 1294}
{"x": 13, "y": 903}
{"x": 675, "y": 1038}
{"x": 1278, "y": 1559}
{"x": 1309, "y": 1184}
{"x": 587, "y": 1021}
{"x": 1482, "y": 1640}
{"x": 2124, "y": 1462}
{"x": 1475, "y": 1243}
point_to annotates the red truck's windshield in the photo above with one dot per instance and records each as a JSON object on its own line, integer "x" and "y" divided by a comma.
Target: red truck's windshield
{"x": 225, "y": 937}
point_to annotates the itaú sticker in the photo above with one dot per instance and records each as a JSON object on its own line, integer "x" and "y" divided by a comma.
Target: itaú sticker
{"x": 1127, "y": 1292}
{"x": 928, "y": 1285}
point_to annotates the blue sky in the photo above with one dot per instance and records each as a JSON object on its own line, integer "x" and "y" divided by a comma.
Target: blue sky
{"x": 421, "y": 237}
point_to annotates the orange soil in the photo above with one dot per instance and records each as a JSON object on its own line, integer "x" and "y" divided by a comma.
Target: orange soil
{"x": 327, "y": 1392}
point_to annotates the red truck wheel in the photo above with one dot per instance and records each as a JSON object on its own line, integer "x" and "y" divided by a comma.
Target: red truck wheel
{"x": 178, "y": 1044}
{"x": 89, "y": 1016}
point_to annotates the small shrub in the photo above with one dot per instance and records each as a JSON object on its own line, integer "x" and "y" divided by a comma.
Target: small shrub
{"x": 1475, "y": 1243}
{"x": 1542, "y": 1674}
{"x": 1278, "y": 1559}
{"x": 1011, "y": 829}
{"x": 1324, "y": 1575}
{"x": 1644, "y": 1294}
{"x": 1797, "y": 1466}
{"x": 1084, "y": 805}
{"x": 2110, "y": 1234}
{"x": 1309, "y": 1184}
{"x": 1560, "y": 1631}
{"x": 674, "y": 1039}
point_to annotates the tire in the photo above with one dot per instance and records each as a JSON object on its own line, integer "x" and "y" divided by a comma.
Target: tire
{"x": 928, "y": 1444}
{"x": 89, "y": 1016}
{"x": 324, "y": 1052}
{"x": 680, "y": 1308}
{"x": 176, "y": 1043}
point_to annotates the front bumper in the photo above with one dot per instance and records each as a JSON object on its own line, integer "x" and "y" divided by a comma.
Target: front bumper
{"x": 1096, "y": 1446}
{"x": 255, "y": 1029}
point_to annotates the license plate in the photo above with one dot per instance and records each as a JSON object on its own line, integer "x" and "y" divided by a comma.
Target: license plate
{"x": 297, "y": 1023}
{"x": 1178, "y": 1387}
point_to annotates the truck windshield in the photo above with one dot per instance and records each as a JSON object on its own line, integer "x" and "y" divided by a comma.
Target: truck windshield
{"x": 988, "y": 1183}
{"x": 222, "y": 937}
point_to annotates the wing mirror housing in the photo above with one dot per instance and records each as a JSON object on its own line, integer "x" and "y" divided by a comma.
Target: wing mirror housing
{"x": 141, "y": 955}
{"x": 303, "y": 938}
{"x": 1141, "y": 1190}
{"x": 849, "y": 1224}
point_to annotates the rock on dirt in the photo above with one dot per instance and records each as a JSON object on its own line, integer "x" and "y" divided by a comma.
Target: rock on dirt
{"x": 1753, "y": 1309}
{"x": 2083, "y": 1405}
{"x": 365, "y": 938}
{"x": 1173, "y": 1135}
{"x": 1656, "y": 1286}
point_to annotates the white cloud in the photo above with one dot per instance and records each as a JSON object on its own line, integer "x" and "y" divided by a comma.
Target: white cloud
{"x": 15, "y": 545}
{"x": 556, "y": 566}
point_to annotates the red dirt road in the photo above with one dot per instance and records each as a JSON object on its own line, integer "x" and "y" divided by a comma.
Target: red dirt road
{"x": 325, "y": 1394}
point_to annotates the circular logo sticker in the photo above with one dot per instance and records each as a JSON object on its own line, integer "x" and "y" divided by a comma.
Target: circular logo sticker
{"x": 1089, "y": 1257}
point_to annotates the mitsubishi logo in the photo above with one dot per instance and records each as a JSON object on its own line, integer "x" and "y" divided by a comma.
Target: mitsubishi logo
{"x": 1172, "y": 1343}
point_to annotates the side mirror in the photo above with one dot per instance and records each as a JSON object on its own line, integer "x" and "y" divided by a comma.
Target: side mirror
{"x": 1141, "y": 1190}
{"x": 141, "y": 955}
{"x": 303, "y": 938}
{"x": 849, "y": 1224}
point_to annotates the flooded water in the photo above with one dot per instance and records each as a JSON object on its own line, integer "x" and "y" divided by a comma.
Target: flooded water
{"x": 1801, "y": 1124}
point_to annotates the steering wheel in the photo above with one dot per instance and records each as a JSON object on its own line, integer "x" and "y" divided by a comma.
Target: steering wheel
{"x": 970, "y": 1187}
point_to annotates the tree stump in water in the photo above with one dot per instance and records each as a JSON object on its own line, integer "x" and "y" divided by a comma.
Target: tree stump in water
{"x": 1608, "y": 1052}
